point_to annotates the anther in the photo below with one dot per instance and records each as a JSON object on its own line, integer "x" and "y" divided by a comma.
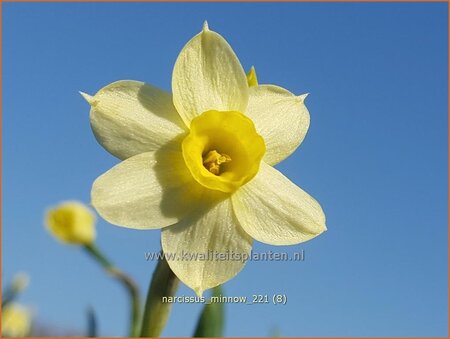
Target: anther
{"x": 213, "y": 159}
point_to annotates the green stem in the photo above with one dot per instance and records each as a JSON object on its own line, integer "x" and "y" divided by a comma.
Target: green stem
{"x": 164, "y": 283}
{"x": 211, "y": 321}
{"x": 13, "y": 289}
{"x": 126, "y": 281}
{"x": 91, "y": 323}
{"x": 8, "y": 296}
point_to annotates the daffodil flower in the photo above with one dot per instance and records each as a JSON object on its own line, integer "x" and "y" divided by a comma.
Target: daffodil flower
{"x": 198, "y": 162}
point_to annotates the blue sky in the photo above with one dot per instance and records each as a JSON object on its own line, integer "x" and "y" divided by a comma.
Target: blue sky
{"x": 375, "y": 157}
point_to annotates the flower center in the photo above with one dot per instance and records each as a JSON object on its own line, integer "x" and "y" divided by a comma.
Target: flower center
{"x": 223, "y": 150}
{"x": 213, "y": 159}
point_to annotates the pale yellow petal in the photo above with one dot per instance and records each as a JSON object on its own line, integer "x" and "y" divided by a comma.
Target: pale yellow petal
{"x": 273, "y": 210}
{"x": 148, "y": 190}
{"x": 211, "y": 231}
{"x": 208, "y": 76}
{"x": 280, "y": 117}
{"x": 130, "y": 117}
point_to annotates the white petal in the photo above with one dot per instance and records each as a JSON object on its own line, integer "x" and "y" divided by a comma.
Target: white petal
{"x": 280, "y": 117}
{"x": 273, "y": 210}
{"x": 148, "y": 190}
{"x": 213, "y": 231}
{"x": 208, "y": 76}
{"x": 130, "y": 117}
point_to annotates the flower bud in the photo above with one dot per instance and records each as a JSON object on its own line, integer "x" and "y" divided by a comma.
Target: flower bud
{"x": 16, "y": 321}
{"x": 72, "y": 223}
{"x": 20, "y": 282}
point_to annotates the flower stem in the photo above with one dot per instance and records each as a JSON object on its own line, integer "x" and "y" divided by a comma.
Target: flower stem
{"x": 126, "y": 281}
{"x": 164, "y": 283}
{"x": 211, "y": 321}
{"x": 91, "y": 323}
{"x": 7, "y": 297}
{"x": 19, "y": 283}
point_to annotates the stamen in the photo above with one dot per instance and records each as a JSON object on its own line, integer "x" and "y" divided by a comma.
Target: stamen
{"x": 213, "y": 160}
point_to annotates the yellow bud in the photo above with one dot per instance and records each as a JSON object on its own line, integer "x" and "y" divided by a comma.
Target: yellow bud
{"x": 16, "y": 321}
{"x": 20, "y": 282}
{"x": 252, "y": 79}
{"x": 72, "y": 223}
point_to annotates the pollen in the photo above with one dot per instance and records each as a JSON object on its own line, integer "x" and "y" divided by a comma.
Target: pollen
{"x": 213, "y": 159}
